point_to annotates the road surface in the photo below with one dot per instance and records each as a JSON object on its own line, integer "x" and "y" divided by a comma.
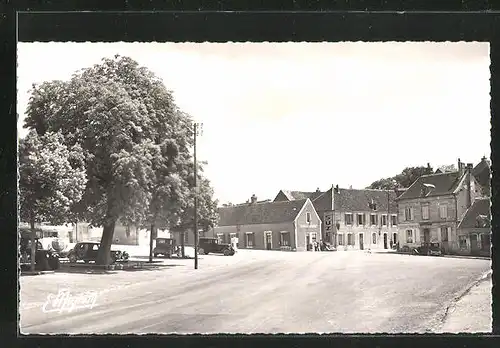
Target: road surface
{"x": 260, "y": 292}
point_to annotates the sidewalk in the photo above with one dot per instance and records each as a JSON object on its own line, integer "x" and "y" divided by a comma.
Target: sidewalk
{"x": 473, "y": 312}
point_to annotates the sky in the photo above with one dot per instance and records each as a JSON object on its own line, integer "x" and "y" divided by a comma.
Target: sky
{"x": 301, "y": 116}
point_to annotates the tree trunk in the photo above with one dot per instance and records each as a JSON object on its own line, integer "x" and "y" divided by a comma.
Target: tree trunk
{"x": 183, "y": 254}
{"x": 151, "y": 238}
{"x": 103, "y": 255}
{"x": 33, "y": 245}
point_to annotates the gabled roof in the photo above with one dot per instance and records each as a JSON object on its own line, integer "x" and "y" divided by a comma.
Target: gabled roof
{"x": 352, "y": 200}
{"x": 482, "y": 172}
{"x": 479, "y": 207}
{"x": 260, "y": 213}
{"x": 444, "y": 184}
{"x": 297, "y": 195}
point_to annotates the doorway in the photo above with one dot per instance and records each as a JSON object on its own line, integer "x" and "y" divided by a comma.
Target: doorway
{"x": 361, "y": 241}
{"x": 269, "y": 240}
{"x": 473, "y": 244}
{"x": 395, "y": 238}
{"x": 427, "y": 235}
{"x": 310, "y": 241}
{"x": 385, "y": 241}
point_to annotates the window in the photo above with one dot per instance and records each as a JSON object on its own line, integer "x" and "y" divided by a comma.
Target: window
{"x": 374, "y": 238}
{"x": 350, "y": 239}
{"x": 409, "y": 236}
{"x": 285, "y": 239}
{"x": 409, "y": 213}
{"x": 340, "y": 238}
{"x": 127, "y": 231}
{"x": 444, "y": 234}
{"x": 373, "y": 219}
{"x": 308, "y": 217}
{"x": 384, "y": 220}
{"x": 186, "y": 237}
{"x": 462, "y": 242}
{"x": 220, "y": 237}
{"x": 394, "y": 220}
{"x": 249, "y": 240}
{"x": 361, "y": 219}
{"x": 348, "y": 218}
{"x": 443, "y": 211}
{"x": 425, "y": 211}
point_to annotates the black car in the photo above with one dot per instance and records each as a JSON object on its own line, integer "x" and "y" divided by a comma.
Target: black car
{"x": 212, "y": 245}
{"x": 429, "y": 249}
{"x": 87, "y": 252}
{"x": 165, "y": 247}
{"x": 44, "y": 259}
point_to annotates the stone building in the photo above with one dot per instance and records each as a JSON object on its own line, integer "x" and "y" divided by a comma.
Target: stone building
{"x": 431, "y": 209}
{"x": 353, "y": 218}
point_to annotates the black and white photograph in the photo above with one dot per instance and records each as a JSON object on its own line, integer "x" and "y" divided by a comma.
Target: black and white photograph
{"x": 254, "y": 187}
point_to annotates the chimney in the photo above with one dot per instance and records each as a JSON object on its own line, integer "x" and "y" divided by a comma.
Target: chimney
{"x": 468, "y": 171}
{"x": 317, "y": 190}
{"x": 336, "y": 188}
{"x": 460, "y": 167}
{"x": 253, "y": 199}
{"x": 350, "y": 187}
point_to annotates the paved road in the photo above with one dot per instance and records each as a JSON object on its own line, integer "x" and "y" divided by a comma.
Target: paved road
{"x": 260, "y": 292}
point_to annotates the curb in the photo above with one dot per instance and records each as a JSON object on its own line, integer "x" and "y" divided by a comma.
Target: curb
{"x": 30, "y": 273}
{"x": 447, "y": 256}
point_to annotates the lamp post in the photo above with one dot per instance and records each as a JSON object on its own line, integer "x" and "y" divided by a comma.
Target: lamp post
{"x": 198, "y": 127}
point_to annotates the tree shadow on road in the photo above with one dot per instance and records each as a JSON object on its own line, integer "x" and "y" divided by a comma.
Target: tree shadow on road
{"x": 93, "y": 269}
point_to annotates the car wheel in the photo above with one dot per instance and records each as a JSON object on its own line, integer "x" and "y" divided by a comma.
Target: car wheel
{"x": 72, "y": 258}
{"x": 201, "y": 251}
{"x": 227, "y": 252}
{"x": 54, "y": 263}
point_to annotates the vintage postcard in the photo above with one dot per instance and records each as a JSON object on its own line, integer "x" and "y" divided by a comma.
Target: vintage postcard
{"x": 254, "y": 187}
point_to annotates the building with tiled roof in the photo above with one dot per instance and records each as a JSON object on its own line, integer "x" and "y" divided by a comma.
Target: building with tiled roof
{"x": 281, "y": 225}
{"x": 474, "y": 231}
{"x": 286, "y": 195}
{"x": 355, "y": 218}
{"x": 482, "y": 173}
{"x": 431, "y": 209}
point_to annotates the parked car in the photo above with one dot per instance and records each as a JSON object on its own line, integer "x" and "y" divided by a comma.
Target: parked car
{"x": 211, "y": 245}
{"x": 165, "y": 247}
{"x": 325, "y": 246}
{"x": 87, "y": 252}
{"x": 430, "y": 249}
{"x": 45, "y": 259}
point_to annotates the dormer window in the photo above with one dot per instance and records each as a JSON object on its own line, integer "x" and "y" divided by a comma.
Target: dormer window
{"x": 427, "y": 189}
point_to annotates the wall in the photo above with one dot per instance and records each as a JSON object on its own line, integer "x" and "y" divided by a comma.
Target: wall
{"x": 366, "y": 230}
{"x": 258, "y": 230}
{"x": 434, "y": 223}
{"x": 480, "y": 233}
{"x": 303, "y": 227}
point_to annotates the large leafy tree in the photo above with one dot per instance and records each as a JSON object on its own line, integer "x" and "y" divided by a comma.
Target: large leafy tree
{"x": 402, "y": 180}
{"x": 52, "y": 179}
{"x": 129, "y": 129}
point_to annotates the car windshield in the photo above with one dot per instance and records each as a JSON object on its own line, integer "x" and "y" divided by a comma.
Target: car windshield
{"x": 161, "y": 241}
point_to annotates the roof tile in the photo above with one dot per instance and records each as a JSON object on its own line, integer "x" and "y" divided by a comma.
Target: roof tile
{"x": 444, "y": 183}
{"x": 260, "y": 213}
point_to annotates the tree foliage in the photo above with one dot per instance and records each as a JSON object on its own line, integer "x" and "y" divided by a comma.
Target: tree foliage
{"x": 52, "y": 178}
{"x": 135, "y": 142}
{"x": 402, "y": 180}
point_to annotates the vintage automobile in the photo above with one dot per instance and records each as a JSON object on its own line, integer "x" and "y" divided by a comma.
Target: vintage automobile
{"x": 44, "y": 259}
{"x": 211, "y": 245}
{"x": 87, "y": 252}
{"x": 165, "y": 247}
{"x": 325, "y": 246}
{"x": 429, "y": 249}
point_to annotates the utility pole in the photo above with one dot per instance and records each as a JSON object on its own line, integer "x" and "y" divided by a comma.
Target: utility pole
{"x": 195, "y": 199}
